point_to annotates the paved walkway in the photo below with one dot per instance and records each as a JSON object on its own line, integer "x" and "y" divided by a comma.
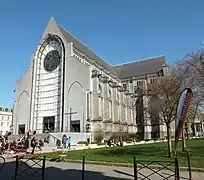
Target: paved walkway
{"x": 66, "y": 171}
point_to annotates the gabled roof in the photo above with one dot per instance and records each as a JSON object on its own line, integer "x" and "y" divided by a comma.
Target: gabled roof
{"x": 83, "y": 48}
{"x": 131, "y": 69}
{"x": 139, "y": 68}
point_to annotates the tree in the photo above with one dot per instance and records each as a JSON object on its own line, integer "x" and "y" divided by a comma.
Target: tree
{"x": 163, "y": 99}
{"x": 194, "y": 111}
{"x": 194, "y": 63}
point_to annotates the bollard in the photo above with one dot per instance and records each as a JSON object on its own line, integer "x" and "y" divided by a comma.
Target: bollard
{"x": 43, "y": 168}
{"x": 83, "y": 164}
{"x": 135, "y": 168}
{"x": 189, "y": 164}
{"x": 176, "y": 168}
{"x": 16, "y": 168}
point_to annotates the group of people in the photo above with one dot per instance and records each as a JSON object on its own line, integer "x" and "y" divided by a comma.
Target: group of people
{"x": 3, "y": 144}
{"x": 66, "y": 142}
{"x": 21, "y": 145}
{"x": 110, "y": 143}
{"x": 15, "y": 146}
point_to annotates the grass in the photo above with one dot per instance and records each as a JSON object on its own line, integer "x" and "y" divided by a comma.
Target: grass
{"x": 146, "y": 152}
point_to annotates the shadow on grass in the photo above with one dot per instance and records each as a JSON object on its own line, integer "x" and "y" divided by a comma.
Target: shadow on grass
{"x": 134, "y": 151}
{"x": 61, "y": 172}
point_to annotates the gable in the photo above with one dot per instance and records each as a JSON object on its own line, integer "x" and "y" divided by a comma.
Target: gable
{"x": 81, "y": 47}
{"x": 123, "y": 71}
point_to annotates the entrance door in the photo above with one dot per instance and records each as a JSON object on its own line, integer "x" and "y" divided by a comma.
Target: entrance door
{"x": 49, "y": 124}
{"x": 75, "y": 126}
{"x": 21, "y": 129}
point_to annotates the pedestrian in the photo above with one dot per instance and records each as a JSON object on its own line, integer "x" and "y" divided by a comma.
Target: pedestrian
{"x": 33, "y": 144}
{"x": 64, "y": 141}
{"x": 69, "y": 143}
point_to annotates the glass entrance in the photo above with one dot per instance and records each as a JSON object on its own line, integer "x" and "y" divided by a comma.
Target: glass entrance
{"x": 49, "y": 124}
{"x": 75, "y": 126}
{"x": 21, "y": 129}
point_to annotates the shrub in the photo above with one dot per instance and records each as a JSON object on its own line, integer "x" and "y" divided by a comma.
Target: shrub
{"x": 83, "y": 142}
{"x": 101, "y": 144}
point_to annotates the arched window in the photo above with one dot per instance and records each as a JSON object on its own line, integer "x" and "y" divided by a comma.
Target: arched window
{"x": 100, "y": 102}
{"x": 126, "y": 113}
{"x": 110, "y": 104}
{"x": 99, "y": 90}
{"x": 131, "y": 116}
{"x": 118, "y": 106}
{"x": 109, "y": 94}
{"x": 117, "y": 97}
{"x": 124, "y": 99}
{"x": 125, "y": 108}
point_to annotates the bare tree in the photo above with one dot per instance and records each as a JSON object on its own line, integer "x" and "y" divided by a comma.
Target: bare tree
{"x": 163, "y": 99}
{"x": 194, "y": 63}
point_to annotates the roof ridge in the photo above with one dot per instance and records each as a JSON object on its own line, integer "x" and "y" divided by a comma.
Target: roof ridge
{"x": 128, "y": 70}
{"x": 92, "y": 51}
{"x": 139, "y": 60}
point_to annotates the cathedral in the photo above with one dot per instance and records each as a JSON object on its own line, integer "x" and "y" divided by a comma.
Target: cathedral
{"x": 70, "y": 89}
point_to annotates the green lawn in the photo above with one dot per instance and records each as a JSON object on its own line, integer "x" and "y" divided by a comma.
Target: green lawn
{"x": 156, "y": 151}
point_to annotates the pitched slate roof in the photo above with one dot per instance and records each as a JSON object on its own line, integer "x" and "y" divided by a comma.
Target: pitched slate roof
{"x": 123, "y": 71}
{"x": 138, "y": 68}
{"x": 83, "y": 48}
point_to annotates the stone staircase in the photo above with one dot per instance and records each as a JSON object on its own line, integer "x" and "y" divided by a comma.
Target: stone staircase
{"x": 50, "y": 147}
{"x": 75, "y": 137}
{"x": 53, "y": 137}
{"x": 18, "y": 136}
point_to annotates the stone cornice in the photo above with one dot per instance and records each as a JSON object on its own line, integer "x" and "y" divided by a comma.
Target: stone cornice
{"x": 116, "y": 122}
{"x": 112, "y": 84}
{"x": 97, "y": 119}
{"x": 131, "y": 124}
{"x": 94, "y": 73}
{"x": 103, "y": 78}
{"x": 127, "y": 92}
{"x": 108, "y": 121}
{"x": 124, "y": 123}
{"x": 119, "y": 88}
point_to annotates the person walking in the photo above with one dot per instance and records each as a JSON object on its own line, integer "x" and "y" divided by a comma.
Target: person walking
{"x": 33, "y": 144}
{"x": 64, "y": 141}
{"x": 69, "y": 142}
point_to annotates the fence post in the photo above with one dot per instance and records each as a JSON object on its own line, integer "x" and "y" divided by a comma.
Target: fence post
{"x": 176, "y": 168}
{"x": 135, "y": 168}
{"x": 43, "y": 168}
{"x": 16, "y": 168}
{"x": 83, "y": 164}
{"x": 189, "y": 164}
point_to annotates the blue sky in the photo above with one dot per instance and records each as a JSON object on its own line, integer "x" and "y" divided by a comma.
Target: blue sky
{"x": 118, "y": 31}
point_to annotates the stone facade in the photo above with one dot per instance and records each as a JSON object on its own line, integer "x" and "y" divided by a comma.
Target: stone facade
{"x": 5, "y": 120}
{"x": 84, "y": 93}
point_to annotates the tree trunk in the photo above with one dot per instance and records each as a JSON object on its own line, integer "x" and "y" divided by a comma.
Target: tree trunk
{"x": 169, "y": 145}
{"x": 183, "y": 141}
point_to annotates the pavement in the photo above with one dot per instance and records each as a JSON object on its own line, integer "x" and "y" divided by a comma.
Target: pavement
{"x": 66, "y": 171}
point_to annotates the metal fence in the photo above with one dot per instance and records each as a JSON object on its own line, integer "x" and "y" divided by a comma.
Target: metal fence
{"x": 143, "y": 170}
{"x": 31, "y": 167}
{"x": 160, "y": 169}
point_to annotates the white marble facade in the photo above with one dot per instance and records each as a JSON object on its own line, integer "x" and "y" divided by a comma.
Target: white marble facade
{"x": 98, "y": 97}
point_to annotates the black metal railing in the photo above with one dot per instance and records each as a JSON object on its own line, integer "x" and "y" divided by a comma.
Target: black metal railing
{"x": 143, "y": 170}
{"x": 156, "y": 168}
{"x": 31, "y": 167}
{"x": 2, "y": 163}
